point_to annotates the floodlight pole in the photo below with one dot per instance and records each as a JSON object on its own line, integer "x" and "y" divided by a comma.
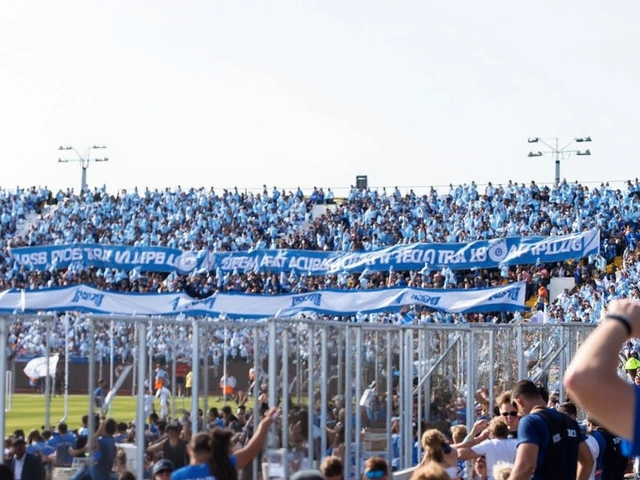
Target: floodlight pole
{"x": 83, "y": 161}
{"x": 557, "y": 152}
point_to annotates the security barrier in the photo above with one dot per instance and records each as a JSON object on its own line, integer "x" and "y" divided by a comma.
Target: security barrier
{"x": 384, "y": 377}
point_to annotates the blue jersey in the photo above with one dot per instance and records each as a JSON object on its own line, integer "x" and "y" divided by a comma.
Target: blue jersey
{"x": 61, "y": 445}
{"x": 193, "y": 472}
{"x": 198, "y": 472}
{"x": 103, "y": 457}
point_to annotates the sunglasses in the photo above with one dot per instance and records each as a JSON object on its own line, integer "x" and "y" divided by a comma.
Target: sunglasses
{"x": 162, "y": 472}
{"x": 509, "y": 414}
{"x": 375, "y": 474}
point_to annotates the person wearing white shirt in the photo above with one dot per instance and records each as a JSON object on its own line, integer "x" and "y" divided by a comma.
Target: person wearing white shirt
{"x": 496, "y": 448}
{"x": 163, "y": 394}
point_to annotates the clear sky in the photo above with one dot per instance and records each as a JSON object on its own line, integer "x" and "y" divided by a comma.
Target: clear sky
{"x": 287, "y": 93}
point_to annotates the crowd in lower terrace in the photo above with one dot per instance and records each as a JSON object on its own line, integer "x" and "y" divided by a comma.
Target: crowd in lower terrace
{"x": 231, "y": 220}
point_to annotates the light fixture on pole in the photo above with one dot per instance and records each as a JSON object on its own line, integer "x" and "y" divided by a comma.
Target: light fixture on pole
{"x": 559, "y": 153}
{"x": 83, "y": 161}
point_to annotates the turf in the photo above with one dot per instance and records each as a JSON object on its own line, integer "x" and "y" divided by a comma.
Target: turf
{"x": 28, "y": 410}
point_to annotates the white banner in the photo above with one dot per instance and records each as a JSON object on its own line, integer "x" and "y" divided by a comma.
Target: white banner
{"x": 37, "y": 367}
{"x": 331, "y": 302}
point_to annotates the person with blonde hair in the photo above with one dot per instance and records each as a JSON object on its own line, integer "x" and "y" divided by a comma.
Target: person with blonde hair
{"x": 436, "y": 449}
{"x": 430, "y": 471}
{"x": 502, "y": 470}
{"x": 496, "y": 448}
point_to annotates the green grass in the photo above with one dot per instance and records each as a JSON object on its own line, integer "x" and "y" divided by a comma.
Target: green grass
{"x": 28, "y": 410}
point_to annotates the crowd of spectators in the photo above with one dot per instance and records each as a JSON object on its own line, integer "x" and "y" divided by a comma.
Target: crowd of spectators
{"x": 231, "y": 220}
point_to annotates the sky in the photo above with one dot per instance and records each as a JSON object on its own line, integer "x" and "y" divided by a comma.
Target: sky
{"x": 286, "y": 93}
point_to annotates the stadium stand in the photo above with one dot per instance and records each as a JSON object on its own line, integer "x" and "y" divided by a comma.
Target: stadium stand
{"x": 230, "y": 220}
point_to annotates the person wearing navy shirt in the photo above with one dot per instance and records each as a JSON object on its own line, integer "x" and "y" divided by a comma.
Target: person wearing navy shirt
{"x": 594, "y": 383}
{"x": 550, "y": 443}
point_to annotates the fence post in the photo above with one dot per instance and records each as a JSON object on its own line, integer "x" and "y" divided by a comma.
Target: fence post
{"x": 47, "y": 381}
{"x": 195, "y": 369}
{"x": 407, "y": 425}
{"x": 563, "y": 357}
{"x": 323, "y": 391}
{"x": 520, "y": 352}
{"x": 470, "y": 379}
{"x": 389, "y": 370}
{"x": 358, "y": 394}
{"x": 348, "y": 404}
{"x": 142, "y": 342}
{"x": 92, "y": 386}
{"x": 310, "y": 392}
{"x": 285, "y": 397}
{"x": 256, "y": 391}
{"x": 3, "y": 368}
{"x": 492, "y": 371}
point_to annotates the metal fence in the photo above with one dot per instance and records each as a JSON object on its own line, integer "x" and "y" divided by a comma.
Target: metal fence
{"x": 385, "y": 377}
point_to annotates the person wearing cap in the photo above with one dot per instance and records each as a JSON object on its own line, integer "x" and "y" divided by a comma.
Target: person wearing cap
{"x": 631, "y": 365}
{"x": 162, "y": 469}
{"x": 23, "y": 465}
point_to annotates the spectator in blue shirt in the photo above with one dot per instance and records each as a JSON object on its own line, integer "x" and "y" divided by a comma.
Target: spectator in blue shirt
{"x": 61, "y": 443}
{"x": 99, "y": 394}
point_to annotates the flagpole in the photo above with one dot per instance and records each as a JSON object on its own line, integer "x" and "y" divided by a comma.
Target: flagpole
{"x": 47, "y": 388}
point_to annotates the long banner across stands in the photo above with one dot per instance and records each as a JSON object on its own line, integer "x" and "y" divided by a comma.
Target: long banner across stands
{"x": 457, "y": 256}
{"x": 330, "y": 302}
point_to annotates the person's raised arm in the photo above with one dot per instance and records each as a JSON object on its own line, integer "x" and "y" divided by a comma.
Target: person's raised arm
{"x": 591, "y": 378}
{"x": 251, "y": 450}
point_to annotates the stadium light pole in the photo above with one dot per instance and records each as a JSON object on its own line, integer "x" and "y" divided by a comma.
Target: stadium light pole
{"x": 83, "y": 161}
{"x": 557, "y": 152}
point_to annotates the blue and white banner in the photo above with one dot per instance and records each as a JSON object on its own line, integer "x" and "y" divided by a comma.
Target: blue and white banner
{"x": 457, "y": 256}
{"x": 330, "y": 302}
{"x": 149, "y": 259}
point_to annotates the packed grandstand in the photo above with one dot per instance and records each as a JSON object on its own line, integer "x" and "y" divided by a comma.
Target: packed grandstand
{"x": 365, "y": 220}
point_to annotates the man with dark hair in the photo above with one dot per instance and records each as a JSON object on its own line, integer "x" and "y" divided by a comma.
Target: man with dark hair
{"x": 508, "y": 411}
{"x": 550, "y": 443}
{"x": 105, "y": 446}
{"x": 23, "y": 465}
{"x": 570, "y": 409}
{"x": 61, "y": 443}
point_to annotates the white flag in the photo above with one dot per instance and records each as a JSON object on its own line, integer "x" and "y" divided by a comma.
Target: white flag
{"x": 37, "y": 368}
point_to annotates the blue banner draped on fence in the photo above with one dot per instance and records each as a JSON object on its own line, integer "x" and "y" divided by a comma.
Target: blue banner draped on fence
{"x": 457, "y": 256}
{"x": 331, "y": 302}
